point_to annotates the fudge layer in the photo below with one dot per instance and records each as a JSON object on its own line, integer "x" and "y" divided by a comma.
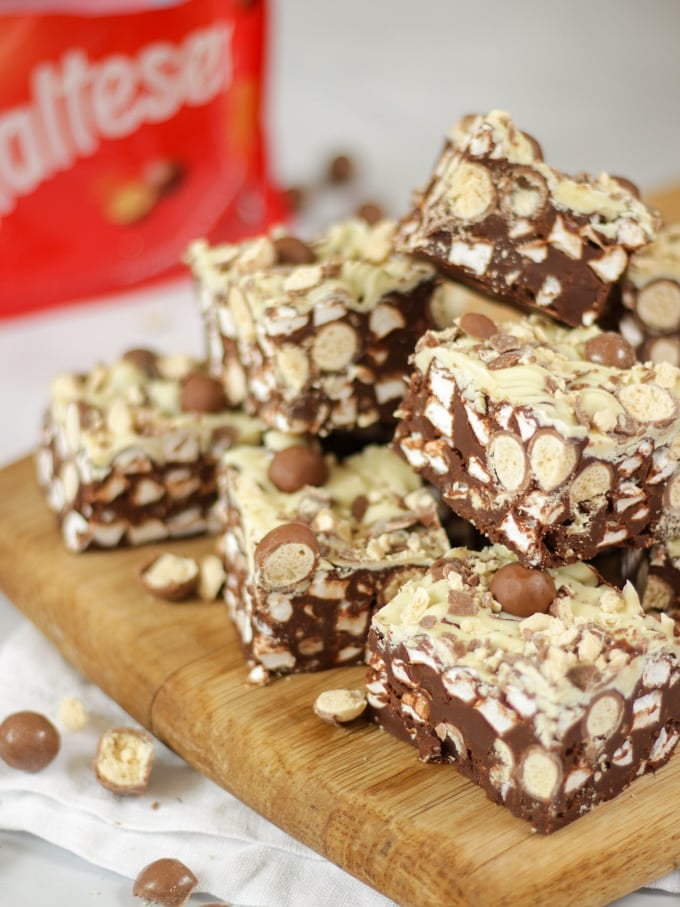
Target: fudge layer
{"x": 495, "y": 215}
{"x": 650, "y": 318}
{"x": 552, "y": 441}
{"x": 550, "y": 689}
{"x": 313, "y": 337}
{"x": 128, "y": 451}
{"x": 306, "y": 567}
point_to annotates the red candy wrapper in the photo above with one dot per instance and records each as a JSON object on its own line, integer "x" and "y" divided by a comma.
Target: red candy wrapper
{"x": 127, "y": 129}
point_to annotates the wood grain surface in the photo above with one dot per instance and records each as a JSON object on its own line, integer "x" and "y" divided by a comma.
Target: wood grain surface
{"x": 667, "y": 201}
{"x": 421, "y": 834}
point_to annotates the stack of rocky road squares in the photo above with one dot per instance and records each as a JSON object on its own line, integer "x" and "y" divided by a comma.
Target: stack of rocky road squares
{"x": 424, "y": 444}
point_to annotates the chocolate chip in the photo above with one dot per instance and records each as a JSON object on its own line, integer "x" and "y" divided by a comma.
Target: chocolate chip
{"x": 294, "y": 467}
{"x": 293, "y": 251}
{"x": 371, "y": 212}
{"x": 202, "y": 394}
{"x": 28, "y": 741}
{"x": 341, "y": 169}
{"x": 145, "y": 360}
{"x": 166, "y": 881}
{"x": 522, "y": 591}
{"x": 611, "y": 349}
{"x": 477, "y": 325}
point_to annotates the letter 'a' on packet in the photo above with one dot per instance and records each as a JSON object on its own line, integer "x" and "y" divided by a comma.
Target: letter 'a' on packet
{"x": 127, "y": 129}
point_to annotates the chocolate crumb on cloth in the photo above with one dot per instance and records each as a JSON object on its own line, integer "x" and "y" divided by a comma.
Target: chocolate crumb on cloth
{"x": 495, "y": 215}
{"x": 307, "y": 563}
{"x": 129, "y": 450}
{"x": 650, "y": 318}
{"x": 313, "y": 337}
{"x": 552, "y": 707}
{"x": 550, "y": 440}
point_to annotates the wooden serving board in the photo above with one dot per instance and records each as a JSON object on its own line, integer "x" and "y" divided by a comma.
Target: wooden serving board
{"x": 421, "y": 834}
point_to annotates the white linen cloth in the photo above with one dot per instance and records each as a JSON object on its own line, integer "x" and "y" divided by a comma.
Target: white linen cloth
{"x": 236, "y": 854}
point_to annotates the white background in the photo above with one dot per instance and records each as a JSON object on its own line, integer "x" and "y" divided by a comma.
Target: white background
{"x": 596, "y": 82}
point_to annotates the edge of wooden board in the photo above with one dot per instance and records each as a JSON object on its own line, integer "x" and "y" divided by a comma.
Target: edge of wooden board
{"x": 420, "y": 834}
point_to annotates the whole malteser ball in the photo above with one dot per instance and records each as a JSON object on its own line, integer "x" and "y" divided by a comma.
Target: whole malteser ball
{"x": 523, "y": 591}
{"x": 28, "y": 741}
{"x": 290, "y": 250}
{"x": 611, "y": 349}
{"x": 341, "y": 169}
{"x": 294, "y": 467}
{"x": 145, "y": 360}
{"x": 371, "y": 212}
{"x": 202, "y": 394}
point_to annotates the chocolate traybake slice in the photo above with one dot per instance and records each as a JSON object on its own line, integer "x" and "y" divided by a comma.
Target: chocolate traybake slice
{"x": 128, "y": 451}
{"x": 495, "y": 215}
{"x": 550, "y": 689}
{"x": 313, "y": 545}
{"x": 313, "y": 337}
{"x": 552, "y": 441}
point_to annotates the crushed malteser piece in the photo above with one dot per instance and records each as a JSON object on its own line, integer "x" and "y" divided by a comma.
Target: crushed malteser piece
{"x": 550, "y": 440}
{"x": 171, "y": 576}
{"x": 167, "y": 882}
{"x": 496, "y": 216}
{"x": 341, "y": 169}
{"x": 211, "y": 578}
{"x": 124, "y": 759}
{"x": 340, "y": 706}
{"x": 72, "y": 713}
{"x": 551, "y": 713}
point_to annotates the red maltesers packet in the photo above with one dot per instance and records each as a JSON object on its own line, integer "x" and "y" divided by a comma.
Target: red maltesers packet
{"x": 127, "y": 129}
